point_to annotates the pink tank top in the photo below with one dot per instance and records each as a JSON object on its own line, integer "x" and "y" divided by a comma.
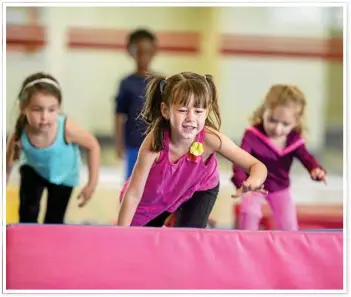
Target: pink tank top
{"x": 171, "y": 184}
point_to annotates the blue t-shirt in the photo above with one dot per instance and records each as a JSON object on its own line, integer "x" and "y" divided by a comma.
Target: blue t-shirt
{"x": 58, "y": 163}
{"x": 130, "y": 101}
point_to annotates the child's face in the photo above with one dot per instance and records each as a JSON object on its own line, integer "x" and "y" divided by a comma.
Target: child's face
{"x": 142, "y": 52}
{"x": 41, "y": 111}
{"x": 186, "y": 121}
{"x": 280, "y": 121}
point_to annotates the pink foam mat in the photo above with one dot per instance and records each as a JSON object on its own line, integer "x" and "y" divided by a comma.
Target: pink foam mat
{"x": 110, "y": 257}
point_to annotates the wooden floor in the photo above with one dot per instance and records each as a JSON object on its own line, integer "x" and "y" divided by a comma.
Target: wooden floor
{"x": 103, "y": 207}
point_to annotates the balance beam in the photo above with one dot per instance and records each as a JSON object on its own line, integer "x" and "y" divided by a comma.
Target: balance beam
{"x": 111, "y": 257}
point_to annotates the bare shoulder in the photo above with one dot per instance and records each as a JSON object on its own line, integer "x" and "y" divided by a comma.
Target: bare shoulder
{"x": 213, "y": 139}
{"x": 71, "y": 128}
{"x": 74, "y": 133}
{"x": 145, "y": 152}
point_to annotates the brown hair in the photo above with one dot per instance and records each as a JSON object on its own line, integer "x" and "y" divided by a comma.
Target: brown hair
{"x": 26, "y": 92}
{"x": 282, "y": 94}
{"x": 178, "y": 89}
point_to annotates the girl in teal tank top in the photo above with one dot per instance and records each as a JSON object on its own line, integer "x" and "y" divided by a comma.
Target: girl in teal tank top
{"x": 46, "y": 144}
{"x": 177, "y": 170}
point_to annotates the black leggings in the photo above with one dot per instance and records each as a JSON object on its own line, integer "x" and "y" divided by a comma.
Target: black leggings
{"x": 31, "y": 190}
{"x": 193, "y": 213}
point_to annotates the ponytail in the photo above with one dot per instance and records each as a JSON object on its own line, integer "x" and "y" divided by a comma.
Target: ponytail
{"x": 214, "y": 105}
{"x": 151, "y": 112}
{"x": 19, "y": 127}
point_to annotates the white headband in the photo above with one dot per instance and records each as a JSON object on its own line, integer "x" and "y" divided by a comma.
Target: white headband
{"x": 45, "y": 80}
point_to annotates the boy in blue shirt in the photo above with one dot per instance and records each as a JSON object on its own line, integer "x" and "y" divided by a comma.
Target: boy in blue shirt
{"x": 129, "y": 130}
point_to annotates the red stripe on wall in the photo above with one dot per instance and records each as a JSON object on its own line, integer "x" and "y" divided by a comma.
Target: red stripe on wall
{"x": 32, "y": 37}
{"x": 273, "y": 46}
{"x": 25, "y": 37}
{"x": 109, "y": 39}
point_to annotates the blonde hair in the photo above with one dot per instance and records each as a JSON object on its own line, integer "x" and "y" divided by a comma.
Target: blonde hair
{"x": 178, "y": 89}
{"x": 282, "y": 94}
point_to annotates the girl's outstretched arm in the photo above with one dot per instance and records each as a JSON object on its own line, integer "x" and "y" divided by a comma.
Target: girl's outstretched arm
{"x": 239, "y": 174}
{"x": 77, "y": 134}
{"x": 317, "y": 172}
{"x": 135, "y": 189}
{"x": 221, "y": 144}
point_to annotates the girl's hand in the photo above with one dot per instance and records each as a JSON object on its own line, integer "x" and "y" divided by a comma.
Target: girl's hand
{"x": 85, "y": 195}
{"x": 318, "y": 174}
{"x": 248, "y": 187}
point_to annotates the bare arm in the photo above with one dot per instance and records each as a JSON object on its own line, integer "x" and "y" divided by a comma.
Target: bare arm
{"x": 120, "y": 120}
{"x": 78, "y": 135}
{"x": 137, "y": 182}
{"x": 218, "y": 142}
{"x": 239, "y": 174}
{"x": 9, "y": 156}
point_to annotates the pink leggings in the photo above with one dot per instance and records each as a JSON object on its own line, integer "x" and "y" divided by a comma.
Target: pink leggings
{"x": 282, "y": 206}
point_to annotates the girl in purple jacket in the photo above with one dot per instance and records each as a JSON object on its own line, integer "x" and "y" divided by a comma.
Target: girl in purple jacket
{"x": 275, "y": 138}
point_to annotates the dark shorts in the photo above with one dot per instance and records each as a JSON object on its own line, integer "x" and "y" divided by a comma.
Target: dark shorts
{"x": 193, "y": 213}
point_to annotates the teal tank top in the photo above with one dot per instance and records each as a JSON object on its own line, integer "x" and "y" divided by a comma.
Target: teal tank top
{"x": 58, "y": 163}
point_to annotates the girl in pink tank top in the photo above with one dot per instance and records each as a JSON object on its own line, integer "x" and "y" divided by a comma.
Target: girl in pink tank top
{"x": 177, "y": 168}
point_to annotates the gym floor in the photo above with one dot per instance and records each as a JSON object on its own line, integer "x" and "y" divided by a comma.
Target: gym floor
{"x": 103, "y": 207}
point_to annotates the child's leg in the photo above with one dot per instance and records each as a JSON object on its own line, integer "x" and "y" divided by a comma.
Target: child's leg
{"x": 251, "y": 211}
{"x": 159, "y": 220}
{"x": 194, "y": 213}
{"x": 169, "y": 222}
{"x": 284, "y": 210}
{"x": 31, "y": 190}
{"x": 131, "y": 157}
{"x": 58, "y": 198}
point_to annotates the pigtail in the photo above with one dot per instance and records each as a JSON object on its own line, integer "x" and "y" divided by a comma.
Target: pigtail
{"x": 151, "y": 112}
{"x": 214, "y": 110}
{"x": 19, "y": 127}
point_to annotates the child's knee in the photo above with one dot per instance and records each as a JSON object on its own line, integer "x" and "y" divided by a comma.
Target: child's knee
{"x": 286, "y": 218}
{"x": 251, "y": 205}
{"x": 249, "y": 221}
